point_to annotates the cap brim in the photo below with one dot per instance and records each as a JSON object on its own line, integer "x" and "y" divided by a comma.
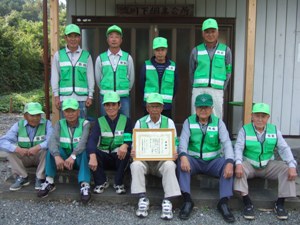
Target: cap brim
{"x": 70, "y": 107}
{"x": 35, "y": 112}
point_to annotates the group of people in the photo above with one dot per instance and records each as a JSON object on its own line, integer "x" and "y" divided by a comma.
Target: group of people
{"x": 93, "y": 147}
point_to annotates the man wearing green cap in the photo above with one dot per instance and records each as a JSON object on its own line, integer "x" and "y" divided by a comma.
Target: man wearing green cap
{"x": 159, "y": 75}
{"x": 109, "y": 145}
{"x": 164, "y": 169}
{"x": 26, "y": 144}
{"x": 72, "y": 72}
{"x": 114, "y": 70}
{"x": 210, "y": 67}
{"x": 67, "y": 150}
{"x": 205, "y": 148}
{"x": 254, "y": 157}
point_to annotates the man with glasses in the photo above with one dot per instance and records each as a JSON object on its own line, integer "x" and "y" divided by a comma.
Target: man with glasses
{"x": 203, "y": 138}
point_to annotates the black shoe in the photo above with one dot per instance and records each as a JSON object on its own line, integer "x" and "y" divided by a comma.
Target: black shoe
{"x": 45, "y": 189}
{"x": 186, "y": 210}
{"x": 249, "y": 212}
{"x": 225, "y": 211}
{"x": 280, "y": 212}
{"x": 85, "y": 194}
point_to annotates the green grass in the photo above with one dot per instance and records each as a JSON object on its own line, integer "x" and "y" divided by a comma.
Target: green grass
{"x": 20, "y": 99}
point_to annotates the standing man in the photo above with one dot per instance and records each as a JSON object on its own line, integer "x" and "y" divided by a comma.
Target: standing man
{"x": 159, "y": 75}
{"x": 26, "y": 144}
{"x": 109, "y": 145}
{"x": 164, "y": 169}
{"x": 210, "y": 67}
{"x": 203, "y": 138}
{"x": 114, "y": 70}
{"x": 254, "y": 157}
{"x": 72, "y": 73}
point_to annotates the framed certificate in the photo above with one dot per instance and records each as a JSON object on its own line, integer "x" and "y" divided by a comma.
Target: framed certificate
{"x": 154, "y": 144}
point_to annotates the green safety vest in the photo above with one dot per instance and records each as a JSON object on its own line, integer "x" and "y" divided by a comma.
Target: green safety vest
{"x": 209, "y": 71}
{"x": 39, "y": 137}
{"x": 115, "y": 81}
{"x": 152, "y": 82}
{"x": 68, "y": 142}
{"x": 111, "y": 141}
{"x": 73, "y": 79}
{"x": 205, "y": 146}
{"x": 259, "y": 154}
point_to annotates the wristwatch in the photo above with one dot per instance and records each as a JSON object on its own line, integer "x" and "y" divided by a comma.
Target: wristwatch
{"x": 73, "y": 156}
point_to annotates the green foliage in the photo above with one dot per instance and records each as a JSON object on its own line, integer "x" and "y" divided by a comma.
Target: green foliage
{"x": 20, "y": 99}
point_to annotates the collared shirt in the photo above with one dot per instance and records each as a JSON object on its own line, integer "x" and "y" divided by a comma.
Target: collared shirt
{"x": 55, "y": 74}
{"x": 9, "y": 141}
{"x": 54, "y": 141}
{"x": 193, "y": 63}
{"x": 114, "y": 59}
{"x": 282, "y": 147}
{"x": 96, "y": 133}
{"x": 223, "y": 137}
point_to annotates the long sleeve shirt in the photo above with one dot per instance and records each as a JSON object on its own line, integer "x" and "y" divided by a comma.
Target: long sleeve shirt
{"x": 54, "y": 142}
{"x": 55, "y": 75}
{"x": 114, "y": 60}
{"x": 160, "y": 68}
{"x": 223, "y": 137}
{"x": 193, "y": 63}
{"x": 9, "y": 141}
{"x": 95, "y": 136}
{"x": 283, "y": 149}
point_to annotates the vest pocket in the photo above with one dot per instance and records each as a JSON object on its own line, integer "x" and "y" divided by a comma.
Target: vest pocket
{"x": 81, "y": 73}
{"x": 65, "y": 73}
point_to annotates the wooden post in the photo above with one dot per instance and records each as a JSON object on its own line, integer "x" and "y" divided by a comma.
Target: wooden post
{"x": 54, "y": 40}
{"x": 250, "y": 53}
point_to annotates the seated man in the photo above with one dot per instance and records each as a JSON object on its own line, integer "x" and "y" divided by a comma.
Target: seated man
{"x": 164, "y": 169}
{"x": 109, "y": 144}
{"x": 67, "y": 146}
{"x": 202, "y": 138}
{"x": 254, "y": 157}
{"x": 26, "y": 144}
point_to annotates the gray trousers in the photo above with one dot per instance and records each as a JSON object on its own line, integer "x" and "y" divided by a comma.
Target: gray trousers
{"x": 19, "y": 163}
{"x": 164, "y": 169}
{"x": 275, "y": 170}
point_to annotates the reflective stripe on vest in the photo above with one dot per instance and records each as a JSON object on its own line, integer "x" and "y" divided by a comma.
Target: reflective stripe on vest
{"x": 206, "y": 146}
{"x": 259, "y": 154}
{"x": 115, "y": 81}
{"x": 39, "y": 137}
{"x": 152, "y": 81}
{"x": 73, "y": 79}
{"x": 210, "y": 72}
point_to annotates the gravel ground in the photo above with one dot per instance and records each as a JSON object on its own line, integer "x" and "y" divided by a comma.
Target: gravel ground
{"x": 65, "y": 212}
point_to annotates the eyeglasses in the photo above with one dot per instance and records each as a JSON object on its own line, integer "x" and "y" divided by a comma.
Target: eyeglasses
{"x": 204, "y": 108}
{"x": 154, "y": 106}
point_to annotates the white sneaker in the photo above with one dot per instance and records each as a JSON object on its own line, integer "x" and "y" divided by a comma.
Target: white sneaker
{"x": 166, "y": 212}
{"x": 100, "y": 188}
{"x": 143, "y": 207}
{"x": 120, "y": 189}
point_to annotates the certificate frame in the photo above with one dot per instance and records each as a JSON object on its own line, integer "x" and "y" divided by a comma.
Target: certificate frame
{"x": 154, "y": 144}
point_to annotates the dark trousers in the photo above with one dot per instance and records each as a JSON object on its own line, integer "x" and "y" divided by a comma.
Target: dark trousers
{"x": 110, "y": 161}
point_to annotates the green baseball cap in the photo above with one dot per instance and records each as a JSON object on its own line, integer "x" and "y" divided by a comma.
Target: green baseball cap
{"x": 111, "y": 97}
{"x": 72, "y": 28}
{"x": 155, "y": 98}
{"x": 210, "y": 23}
{"x": 203, "y": 100}
{"x": 261, "y": 108}
{"x": 160, "y": 42}
{"x": 70, "y": 103}
{"x": 114, "y": 28}
{"x": 33, "y": 108}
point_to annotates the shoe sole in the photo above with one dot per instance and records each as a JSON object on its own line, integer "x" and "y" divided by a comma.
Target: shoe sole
{"x": 249, "y": 217}
{"x": 280, "y": 217}
{"x": 23, "y": 185}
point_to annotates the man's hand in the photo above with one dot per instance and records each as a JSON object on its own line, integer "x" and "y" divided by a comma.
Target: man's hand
{"x": 57, "y": 102}
{"x": 132, "y": 153}
{"x": 175, "y": 156}
{"x": 239, "y": 171}
{"x": 122, "y": 151}
{"x": 88, "y": 102}
{"x": 59, "y": 162}
{"x": 228, "y": 171}
{"x": 93, "y": 163}
{"x": 34, "y": 150}
{"x": 69, "y": 162}
{"x": 22, "y": 151}
{"x": 185, "y": 164}
{"x": 292, "y": 173}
